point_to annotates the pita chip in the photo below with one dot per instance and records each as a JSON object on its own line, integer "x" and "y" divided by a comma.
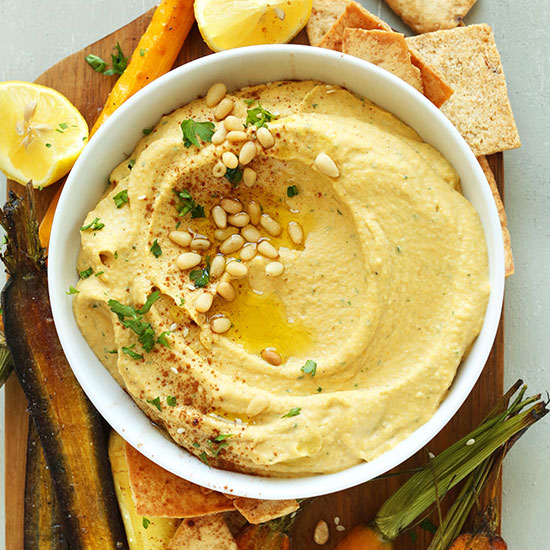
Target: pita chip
{"x": 206, "y": 533}
{"x": 355, "y": 17}
{"x": 324, "y": 14}
{"x": 388, "y": 50}
{"x": 260, "y": 511}
{"x": 159, "y": 493}
{"x": 431, "y": 15}
{"x": 468, "y": 60}
{"x": 508, "y": 257}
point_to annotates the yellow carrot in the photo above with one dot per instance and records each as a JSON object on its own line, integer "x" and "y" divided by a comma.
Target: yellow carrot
{"x": 154, "y": 56}
{"x": 365, "y": 537}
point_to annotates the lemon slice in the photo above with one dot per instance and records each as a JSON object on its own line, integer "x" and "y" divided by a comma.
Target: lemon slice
{"x": 41, "y": 133}
{"x": 231, "y": 24}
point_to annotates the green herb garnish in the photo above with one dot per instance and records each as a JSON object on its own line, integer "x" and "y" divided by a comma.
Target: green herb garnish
{"x": 234, "y": 176}
{"x": 249, "y": 101}
{"x": 147, "y": 131}
{"x": 96, "y": 63}
{"x": 131, "y": 164}
{"x": 121, "y": 198}
{"x": 162, "y": 339}
{"x": 156, "y": 249}
{"x": 86, "y": 273}
{"x": 310, "y": 367}
{"x": 292, "y": 412}
{"x": 96, "y": 225}
{"x": 48, "y": 145}
{"x": 187, "y": 204}
{"x": 145, "y": 522}
{"x": 258, "y": 116}
{"x": 191, "y": 128}
{"x": 132, "y": 354}
{"x": 201, "y": 277}
{"x": 72, "y": 290}
{"x": 204, "y": 458}
{"x": 291, "y": 191}
{"x": 155, "y": 402}
{"x": 171, "y": 400}
{"x": 119, "y": 61}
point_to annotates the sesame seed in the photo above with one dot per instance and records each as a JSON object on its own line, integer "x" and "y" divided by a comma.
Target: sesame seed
{"x": 174, "y": 370}
{"x": 173, "y": 326}
{"x": 185, "y": 332}
{"x": 180, "y": 430}
{"x": 142, "y": 197}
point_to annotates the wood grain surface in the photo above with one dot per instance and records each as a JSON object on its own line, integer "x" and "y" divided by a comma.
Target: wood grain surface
{"x": 88, "y": 90}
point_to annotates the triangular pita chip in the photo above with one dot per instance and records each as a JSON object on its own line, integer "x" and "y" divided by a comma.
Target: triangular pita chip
{"x": 468, "y": 60}
{"x": 207, "y": 533}
{"x": 508, "y": 257}
{"x": 260, "y": 511}
{"x": 324, "y": 14}
{"x": 159, "y": 493}
{"x": 431, "y": 15}
{"x": 386, "y": 49}
{"x": 355, "y": 17}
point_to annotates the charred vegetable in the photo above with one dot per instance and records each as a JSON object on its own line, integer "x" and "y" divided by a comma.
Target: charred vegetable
{"x": 69, "y": 427}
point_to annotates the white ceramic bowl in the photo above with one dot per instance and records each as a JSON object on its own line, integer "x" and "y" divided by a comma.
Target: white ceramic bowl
{"x": 115, "y": 141}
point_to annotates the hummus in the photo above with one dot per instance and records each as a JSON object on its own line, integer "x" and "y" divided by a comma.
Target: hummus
{"x": 340, "y": 334}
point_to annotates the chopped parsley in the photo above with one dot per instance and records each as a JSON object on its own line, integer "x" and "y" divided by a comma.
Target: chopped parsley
{"x": 162, "y": 339}
{"x": 145, "y": 522}
{"x": 258, "y": 116}
{"x": 319, "y": 389}
{"x": 48, "y": 145}
{"x": 171, "y": 400}
{"x": 291, "y": 191}
{"x": 187, "y": 204}
{"x": 201, "y": 277}
{"x": 218, "y": 444}
{"x": 143, "y": 51}
{"x": 72, "y": 290}
{"x": 249, "y": 101}
{"x": 96, "y": 63}
{"x": 234, "y": 176}
{"x": 310, "y": 367}
{"x": 156, "y": 249}
{"x": 96, "y": 225}
{"x": 191, "y": 129}
{"x": 292, "y": 412}
{"x": 118, "y": 60}
{"x": 121, "y": 198}
{"x": 155, "y": 402}
{"x": 147, "y": 131}
{"x": 204, "y": 458}
{"x": 132, "y": 354}
{"x": 86, "y": 273}
{"x": 131, "y": 164}
{"x": 99, "y": 273}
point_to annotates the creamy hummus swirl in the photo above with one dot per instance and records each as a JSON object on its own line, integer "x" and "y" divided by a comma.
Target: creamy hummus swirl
{"x": 383, "y": 297}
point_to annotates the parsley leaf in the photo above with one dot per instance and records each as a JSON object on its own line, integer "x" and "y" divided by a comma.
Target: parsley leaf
{"x": 171, "y": 400}
{"x": 310, "y": 367}
{"x": 147, "y": 131}
{"x": 234, "y": 176}
{"x": 249, "y": 101}
{"x": 258, "y": 116}
{"x": 292, "y": 412}
{"x": 121, "y": 198}
{"x": 146, "y": 522}
{"x": 96, "y": 225}
{"x": 291, "y": 191}
{"x": 151, "y": 299}
{"x": 187, "y": 204}
{"x": 119, "y": 62}
{"x": 96, "y": 63}
{"x": 131, "y": 164}
{"x": 218, "y": 444}
{"x": 72, "y": 290}
{"x": 86, "y": 273}
{"x": 155, "y": 402}
{"x": 162, "y": 339}
{"x": 156, "y": 249}
{"x": 222, "y": 437}
{"x": 201, "y": 277}
{"x": 204, "y": 458}
{"x": 191, "y": 128}
{"x": 132, "y": 354}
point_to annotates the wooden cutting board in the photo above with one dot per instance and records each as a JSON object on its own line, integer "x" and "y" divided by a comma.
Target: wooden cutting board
{"x": 88, "y": 90}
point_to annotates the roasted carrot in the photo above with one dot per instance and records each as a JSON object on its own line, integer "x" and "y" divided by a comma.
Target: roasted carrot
{"x": 478, "y": 541}
{"x": 365, "y": 537}
{"x": 154, "y": 56}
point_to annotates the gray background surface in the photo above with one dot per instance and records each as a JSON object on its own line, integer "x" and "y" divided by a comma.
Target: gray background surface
{"x": 35, "y": 34}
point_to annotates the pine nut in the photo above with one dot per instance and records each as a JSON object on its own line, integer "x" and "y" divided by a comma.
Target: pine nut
{"x": 204, "y": 302}
{"x": 271, "y": 356}
{"x": 232, "y": 244}
{"x": 233, "y": 123}
{"x": 250, "y": 234}
{"x": 273, "y": 227}
{"x": 254, "y": 211}
{"x": 219, "y": 216}
{"x": 265, "y": 248}
{"x": 217, "y": 266}
{"x": 247, "y": 153}
{"x": 274, "y": 269}
{"x": 187, "y": 260}
{"x": 248, "y": 251}
{"x": 320, "y": 534}
{"x": 219, "y": 325}
{"x": 222, "y": 234}
{"x": 231, "y": 206}
{"x": 326, "y": 165}
{"x": 226, "y": 291}
{"x": 200, "y": 244}
{"x": 295, "y": 232}
{"x": 230, "y": 159}
{"x": 265, "y": 137}
{"x": 249, "y": 177}
{"x": 215, "y": 94}
{"x": 236, "y": 135}
{"x": 257, "y": 405}
{"x": 218, "y": 137}
{"x": 219, "y": 169}
{"x": 239, "y": 220}
{"x": 180, "y": 237}
{"x": 225, "y": 106}
{"x": 237, "y": 270}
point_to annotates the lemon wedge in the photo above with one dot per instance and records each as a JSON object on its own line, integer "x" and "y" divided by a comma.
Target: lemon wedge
{"x": 237, "y": 23}
{"x": 41, "y": 133}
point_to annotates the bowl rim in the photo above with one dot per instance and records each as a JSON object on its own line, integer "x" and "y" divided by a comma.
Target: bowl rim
{"x": 140, "y": 432}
